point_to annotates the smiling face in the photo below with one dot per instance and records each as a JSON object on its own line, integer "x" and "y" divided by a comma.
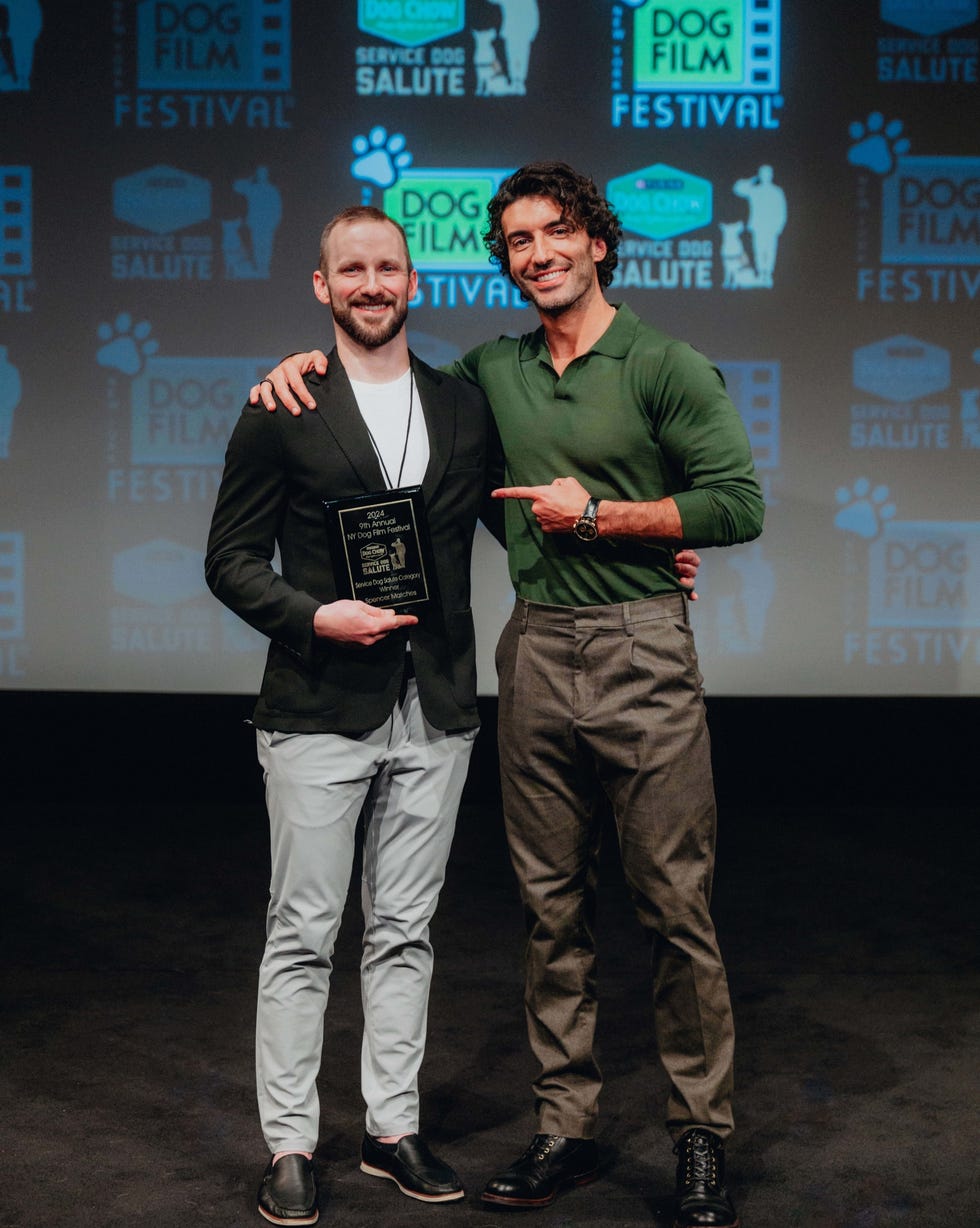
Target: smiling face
{"x": 552, "y": 261}
{"x": 366, "y": 280}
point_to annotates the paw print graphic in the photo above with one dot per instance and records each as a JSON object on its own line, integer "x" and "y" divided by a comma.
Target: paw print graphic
{"x": 125, "y": 346}
{"x": 877, "y": 145}
{"x": 863, "y": 509}
{"x": 380, "y": 157}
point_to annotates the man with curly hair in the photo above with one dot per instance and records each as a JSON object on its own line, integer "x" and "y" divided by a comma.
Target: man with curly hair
{"x": 621, "y": 446}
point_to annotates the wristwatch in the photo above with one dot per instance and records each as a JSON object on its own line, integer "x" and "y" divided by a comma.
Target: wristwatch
{"x": 585, "y": 528}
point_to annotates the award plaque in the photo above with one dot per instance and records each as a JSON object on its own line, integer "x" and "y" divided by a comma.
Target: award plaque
{"x": 381, "y": 549}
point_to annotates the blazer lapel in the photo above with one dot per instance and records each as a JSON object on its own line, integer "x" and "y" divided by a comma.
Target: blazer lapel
{"x": 439, "y": 406}
{"x": 337, "y": 407}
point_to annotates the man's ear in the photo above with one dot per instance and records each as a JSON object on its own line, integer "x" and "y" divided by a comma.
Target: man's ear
{"x": 320, "y": 287}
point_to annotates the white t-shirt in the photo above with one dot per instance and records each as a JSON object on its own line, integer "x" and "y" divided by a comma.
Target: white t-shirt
{"x": 385, "y": 410}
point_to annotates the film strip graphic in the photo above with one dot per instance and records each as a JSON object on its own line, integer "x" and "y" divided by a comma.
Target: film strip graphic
{"x": 762, "y": 45}
{"x": 273, "y": 21}
{"x": 15, "y": 221}
{"x": 11, "y": 586}
{"x": 754, "y": 387}
{"x": 183, "y": 44}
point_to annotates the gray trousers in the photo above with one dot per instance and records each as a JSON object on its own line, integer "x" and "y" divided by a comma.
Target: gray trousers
{"x": 607, "y": 700}
{"x": 407, "y": 777}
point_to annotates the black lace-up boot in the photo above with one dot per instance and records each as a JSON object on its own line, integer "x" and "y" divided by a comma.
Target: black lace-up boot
{"x": 551, "y": 1163}
{"x": 702, "y": 1200}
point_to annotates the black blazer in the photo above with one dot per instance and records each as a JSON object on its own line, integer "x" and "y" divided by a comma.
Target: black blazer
{"x": 278, "y": 471}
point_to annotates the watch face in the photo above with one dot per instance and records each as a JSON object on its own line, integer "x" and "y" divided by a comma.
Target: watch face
{"x": 586, "y": 530}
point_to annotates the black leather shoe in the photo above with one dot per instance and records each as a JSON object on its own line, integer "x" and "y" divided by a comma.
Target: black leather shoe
{"x": 412, "y": 1167}
{"x": 549, "y": 1164}
{"x": 287, "y": 1194}
{"x": 702, "y": 1200}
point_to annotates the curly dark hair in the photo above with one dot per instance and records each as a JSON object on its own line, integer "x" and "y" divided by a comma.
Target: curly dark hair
{"x": 580, "y": 200}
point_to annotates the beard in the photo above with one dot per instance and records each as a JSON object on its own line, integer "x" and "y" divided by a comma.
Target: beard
{"x": 365, "y": 333}
{"x": 576, "y": 288}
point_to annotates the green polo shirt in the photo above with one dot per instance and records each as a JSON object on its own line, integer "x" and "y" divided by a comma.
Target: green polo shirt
{"x": 638, "y": 417}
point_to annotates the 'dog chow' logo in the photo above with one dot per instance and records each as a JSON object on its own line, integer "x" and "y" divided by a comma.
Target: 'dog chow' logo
{"x": 907, "y": 377}
{"x": 917, "y": 403}
{"x": 163, "y": 607}
{"x": 204, "y": 64}
{"x": 928, "y": 58}
{"x": 928, "y": 219}
{"x": 929, "y": 16}
{"x": 164, "y": 201}
{"x": 443, "y": 211}
{"x": 662, "y": 203}
{"x": 429, "y": 52}
{"x": 696, "y": 64}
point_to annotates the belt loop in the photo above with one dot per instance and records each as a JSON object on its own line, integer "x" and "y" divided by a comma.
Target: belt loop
{"x": 524, "y": 612}
{"x": 627, "y": 618}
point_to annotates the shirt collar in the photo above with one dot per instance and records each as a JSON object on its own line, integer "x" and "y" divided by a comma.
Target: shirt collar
{"x": 614, "y": 342}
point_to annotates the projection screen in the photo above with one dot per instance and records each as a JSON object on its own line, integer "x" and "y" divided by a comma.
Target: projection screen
{"x": 799, "y": 186}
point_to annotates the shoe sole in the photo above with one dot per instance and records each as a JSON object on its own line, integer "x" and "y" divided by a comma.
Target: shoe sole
{"x": 292, "y": 1219}
{"x": 455, "y": 1196}
{"x": 516, "y": 1204}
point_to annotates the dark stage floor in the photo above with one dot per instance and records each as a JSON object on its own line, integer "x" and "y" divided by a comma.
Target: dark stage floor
{"x": 135, "y": 911}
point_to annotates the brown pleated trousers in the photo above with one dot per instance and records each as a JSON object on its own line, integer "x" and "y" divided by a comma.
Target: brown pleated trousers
{"x": 607, "y": 700}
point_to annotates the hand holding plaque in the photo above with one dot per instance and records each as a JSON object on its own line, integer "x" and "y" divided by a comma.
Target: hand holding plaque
{"x": 382, "y": 551}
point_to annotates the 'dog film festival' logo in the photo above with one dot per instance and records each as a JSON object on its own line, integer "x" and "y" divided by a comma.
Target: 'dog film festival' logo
{"x": 428, "y": 51}
{"x": 674, "y": 210}
{"x": 169, "y": 423}
{"x": 696, "y": 64}
{"x": 913, "y": 587}
{"x": 203, "y": 64}
{"x": 937, "y": 45}
{"x": 928, "y": 214}
{"x": 443, "y": 211}
{"x": 170, "y": 418}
